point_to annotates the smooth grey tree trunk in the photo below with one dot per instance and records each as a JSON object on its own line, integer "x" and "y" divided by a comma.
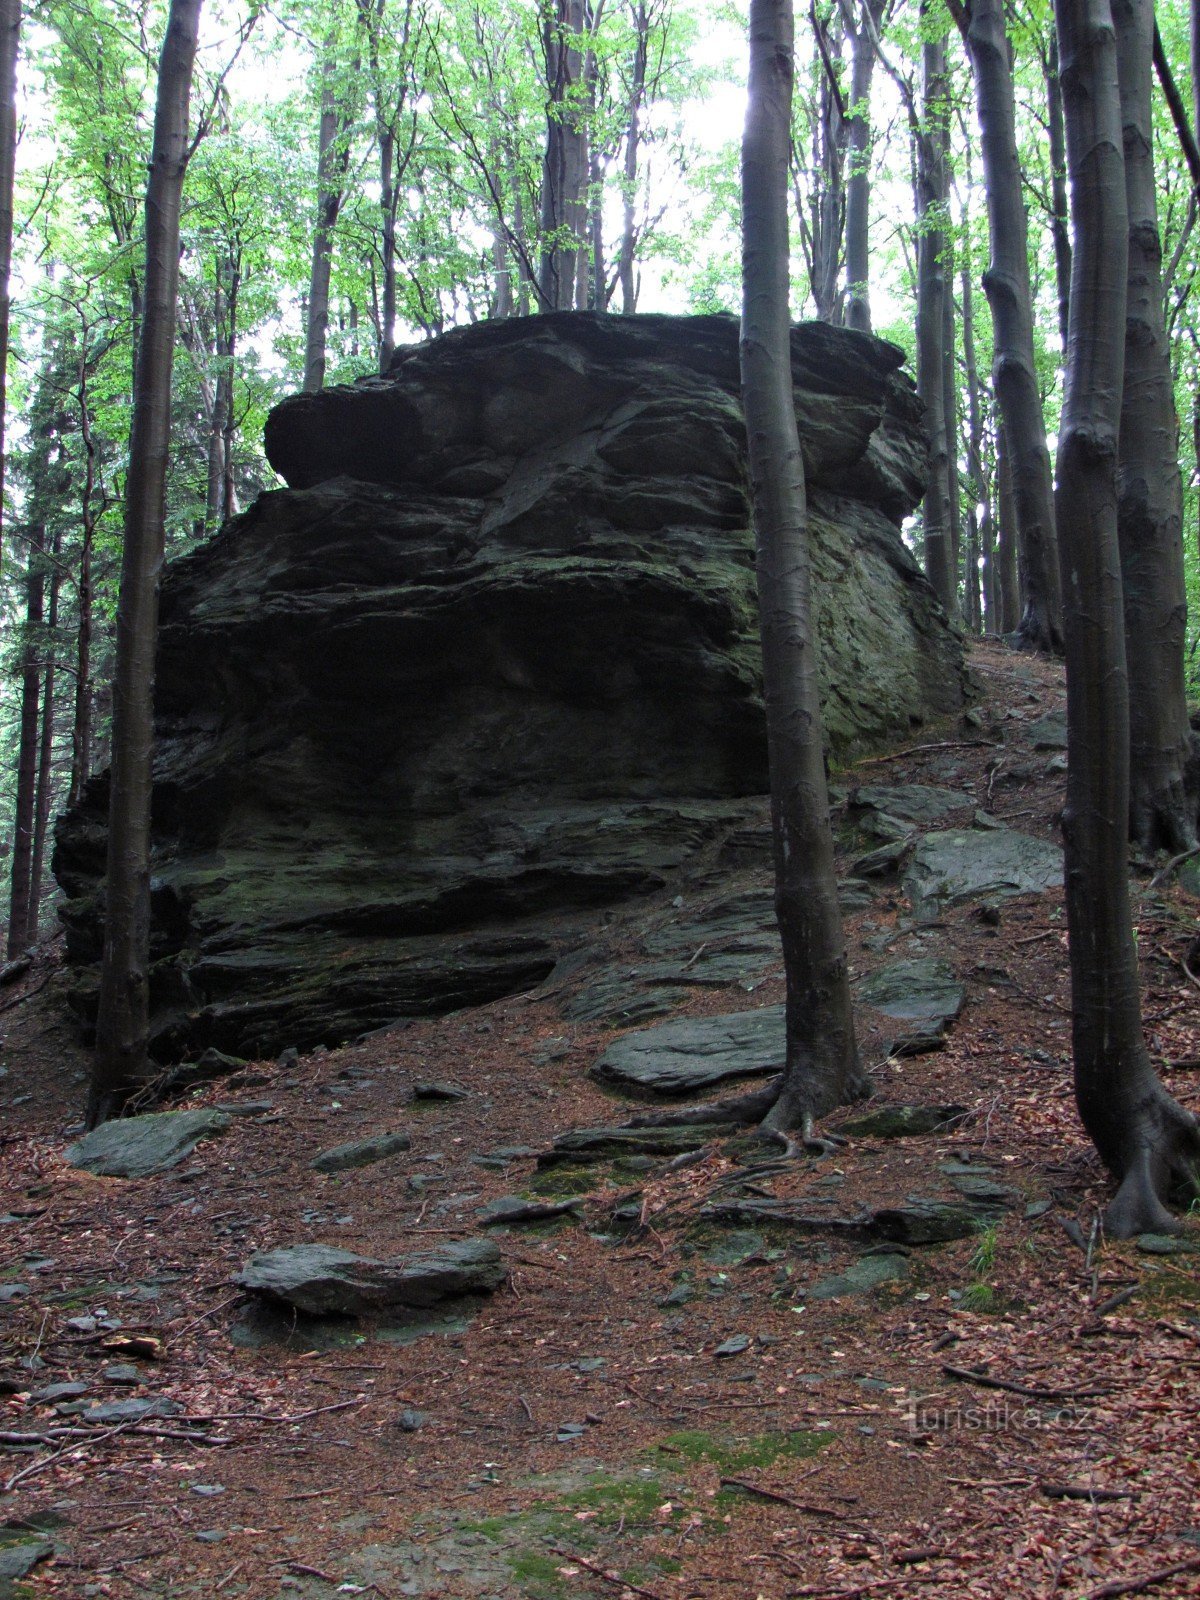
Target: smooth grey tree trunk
{"x": 10, "y": 31}
{"x": 25, "y": 806}
{"x": 121, "y": 1064}
{"x": 1009, "y": 592}
{"x": 564, "y": 169}
{"x": 1144, "y": 1137}
{"x": 1014, "y": 373}
{"x": 1060, "y": 218}
{"x": 1162, "y": 813}
{"x": 45, "y": 770}
{"x": 333, "y": 156}
{"x": 977, "y": 571}
{"x": 858, "y": 175}
{"x": 822, "y": 1068}
{"x": 932, "y": 289}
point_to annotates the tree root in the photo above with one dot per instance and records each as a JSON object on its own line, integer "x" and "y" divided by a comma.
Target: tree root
{"x": 762, "y": 1108}
{"x": 1164, "y": 1159}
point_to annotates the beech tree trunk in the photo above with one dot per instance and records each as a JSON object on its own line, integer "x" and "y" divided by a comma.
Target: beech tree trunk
{"x": 333, "y": 157}
{"x": 10, "y": 31}
{"x": 1006, "y": 284}
{"x": 45, "y": 769}
{"x": 858, "y": 175}
{"x": 1145, "y": 1138}
{"x": 564, "y": 170}
{"x": 932, "y": 289}
{"x": 81, "y": 721}
{"x": 980, "y": 601}
{"x": 822, "y": 1068}
{"x": 626, "y": 277}
{"x": 27, "y": 750}
{"x": 1162, "y": 814}
{"x": 1009, "y": 595}
{"x": 120, "y": 1064}
{"x": 1060, "y": 220}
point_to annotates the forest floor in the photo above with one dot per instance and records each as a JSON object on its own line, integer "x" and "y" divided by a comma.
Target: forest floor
{"x": 680, "y": 1408}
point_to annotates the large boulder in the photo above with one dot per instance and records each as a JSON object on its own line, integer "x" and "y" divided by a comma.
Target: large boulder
{"x": 491, "y": 662}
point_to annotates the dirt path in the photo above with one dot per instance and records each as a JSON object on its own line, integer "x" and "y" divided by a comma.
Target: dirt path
{"x": 660, "y": 1401}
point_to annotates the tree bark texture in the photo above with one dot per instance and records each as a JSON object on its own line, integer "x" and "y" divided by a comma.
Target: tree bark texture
{"x": 120, "y": 1064}
{"x": 333, "y": 156}
{"x": 858, "y": 176}
{"x": 564, "y": 171}
{"x": 1142, "y": 1134}
{"x": 1060, "y": 220}
{"x": 45, "y": 769}
{"x": 1162, "y": 813}
{"x": 822, "y": 1068}
{"x": 10, "y": 30}
{"x": 1006, "y": 284}
{"x": 977, "y": 574}
{"x": 1008, "y": 606}
{"x": 932, "y": 289}
{"x": 25, "y": 810}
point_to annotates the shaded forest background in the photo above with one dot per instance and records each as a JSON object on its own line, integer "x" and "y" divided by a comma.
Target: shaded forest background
{"x": 369, "y": 173}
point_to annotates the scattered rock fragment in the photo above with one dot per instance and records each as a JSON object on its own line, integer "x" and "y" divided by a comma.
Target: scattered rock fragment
{"x": 321, "y": 1280}
{"x": 603, "y": 1144}
{"x": 134, "y": 1147}
{"x": 510, "y": 1208}
{"x": 439, "y": 1090}
{"x": 360, "y": 1152}
{"x": 948, "y": 868}
{"x": 695, "y": 1053}
{"x": 902, "y": 1122}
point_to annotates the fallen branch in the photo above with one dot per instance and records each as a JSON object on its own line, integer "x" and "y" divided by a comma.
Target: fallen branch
{"x": 784, "y": 1499}
{"x": 1079, "y": 1491}
{"x": 29, "y": 993}
{"x": 919, "y": 749}
{"x": 1029, "y": 1391}
{"x": 1163, "y": 873}
{"x": 1108, "y": 1591}
{"x": 609, "y": 1577}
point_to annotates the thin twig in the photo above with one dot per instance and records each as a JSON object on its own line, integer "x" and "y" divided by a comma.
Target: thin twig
{"x": 919, "y": 749}
{"x": 1108, "y": 1591}
{"x": 784, "y": 1499}
{"x": 1030, "y": 1391}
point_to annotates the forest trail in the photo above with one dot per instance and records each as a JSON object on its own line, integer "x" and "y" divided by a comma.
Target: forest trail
{"x": 716, "y": 1377}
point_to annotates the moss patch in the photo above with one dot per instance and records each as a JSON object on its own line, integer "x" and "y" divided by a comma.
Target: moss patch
{"x": 732, "y": 1454}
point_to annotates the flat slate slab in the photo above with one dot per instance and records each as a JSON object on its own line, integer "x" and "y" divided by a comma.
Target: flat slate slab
{"x": 917, "y": 803}
{"x": 947, "y": 868}
{"x": 134, "y": 1147}
{"x": 691, "y": 1055}
{"x": 924, "y": 991}
{"x": 902, "y": 1122}
{"x": 360, "y": 1152}
{"x": 584, "y": 1145}
{"x": 322, "y": 1280}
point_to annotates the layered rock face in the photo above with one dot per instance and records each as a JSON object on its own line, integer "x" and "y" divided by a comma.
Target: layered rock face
{"x": 491, "y": 662}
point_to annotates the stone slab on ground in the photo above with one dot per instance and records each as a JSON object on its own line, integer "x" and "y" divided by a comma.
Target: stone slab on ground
{"x": 360, "y": 1152}
{"x": 321, "y": 1280}
{"x": 924, "y": 990}
{"x": 902, "y": 1122}
{"x": 585, "y": 1145}
{"x": 135, "y": 1147}
{"x": 948, "y": 868}
{"x": 695, "y": 1053}
{"x": 918, "y": 803}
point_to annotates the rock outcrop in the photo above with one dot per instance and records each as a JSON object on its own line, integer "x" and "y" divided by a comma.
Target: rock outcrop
{"x": 490, "y": 662}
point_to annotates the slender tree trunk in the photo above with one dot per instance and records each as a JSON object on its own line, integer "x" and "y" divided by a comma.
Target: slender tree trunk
{"x": 332, "y": 161}
{"x": 950, "y": 396}
{"x": 122, "y": 1027}
{"x": 822, "y": 1068}
{"x": 10, "y": 29}
{"x": 1145, "y": 1139}
{"x": 932, "y": 289}
{"x": 1010, "y": 590}
{"x": 979, "y": 548}
{"x": 229, "y": 498}
{"x": 1006, "y": 283}
{"x": 858, "y": 177}
{"x": 81, "y": 721}
{"x": 1150, "y": 493}
{"x": 27, "y": 750}
{"x": 633, "y": 134}
{"x": 216, "y": 417}
{"x": 564, "y": 170}
{"x": 1060, "y": 221}
{"x": 524, "y": 283}
{"x": 45, "y": 772}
